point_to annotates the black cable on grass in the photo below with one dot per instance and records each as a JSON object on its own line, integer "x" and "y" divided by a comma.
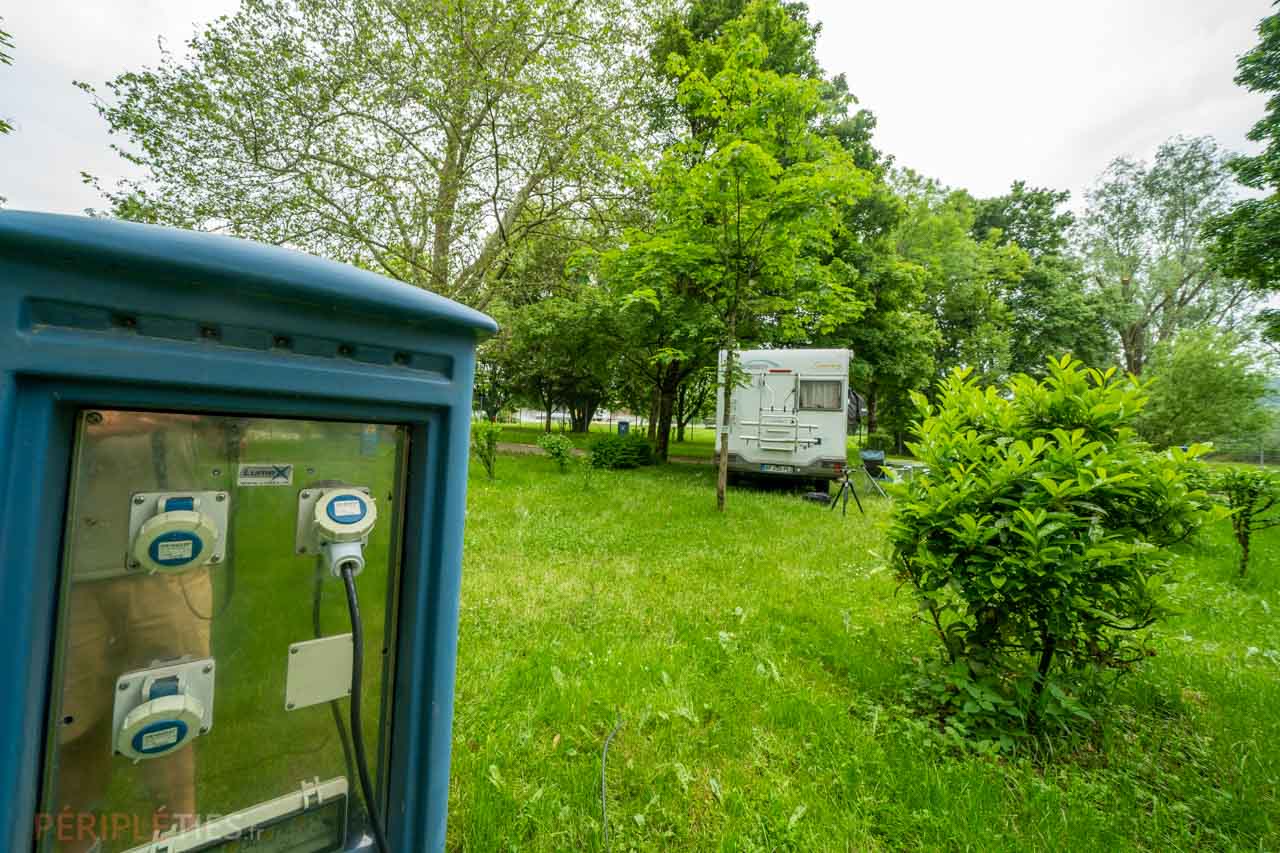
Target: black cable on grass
{"x": 357, "y": 699}
{"x": 604, "y": 785}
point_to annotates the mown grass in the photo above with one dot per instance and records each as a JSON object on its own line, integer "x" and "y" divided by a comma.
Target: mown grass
{"x": 757, "y": 660}
{"x": 699, "y": 441}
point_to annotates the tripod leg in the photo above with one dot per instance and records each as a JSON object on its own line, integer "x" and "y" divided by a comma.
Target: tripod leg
{"x": 872, "y": 484}
{"x": 854, "y": 492}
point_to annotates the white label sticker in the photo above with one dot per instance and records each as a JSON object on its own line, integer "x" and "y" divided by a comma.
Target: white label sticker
{"x": 265, "y": 474}
{"x": 351, "y": 507}
{"x": 164, "y": 737}
{"x": 180, "y": 550}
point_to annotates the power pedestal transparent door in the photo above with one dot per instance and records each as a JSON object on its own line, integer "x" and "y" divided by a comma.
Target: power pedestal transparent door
{"x": 201, "y": 694}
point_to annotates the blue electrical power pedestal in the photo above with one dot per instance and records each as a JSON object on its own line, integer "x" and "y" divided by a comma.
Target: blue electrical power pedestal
{"x": 233, "y": 496}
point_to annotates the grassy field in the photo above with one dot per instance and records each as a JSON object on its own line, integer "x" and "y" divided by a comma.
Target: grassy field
{"x": 699, "y": 441}
{"x": 756, "y": 663}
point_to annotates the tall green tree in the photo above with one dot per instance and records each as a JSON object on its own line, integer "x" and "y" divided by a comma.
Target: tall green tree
{"x": 965, "y": 279}
{"x": 893, "y": 343}
{"x": 1142, "y": 238}
{"x": 421, "y": 139}
{"x": 1051, "y": 309}
{"x": 1204, "y": 386}
{"x": 1246, "y": 238}
{"x": 1031, "y": 217}
{"x": 746, "y": 202}
{"x": 790, "y": 40}
{"x": 562, "y": 353}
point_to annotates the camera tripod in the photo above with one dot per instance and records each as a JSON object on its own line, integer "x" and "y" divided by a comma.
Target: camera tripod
{"x": 847, "y": 488}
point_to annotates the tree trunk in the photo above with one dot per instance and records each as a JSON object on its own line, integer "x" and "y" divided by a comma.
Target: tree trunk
{"x": 873, "y": 410}
{"x": 668, "y": 388}
{"x": 726, "y": 397}
{"x": 653, "y": 416}
{"x": 682, "y": 403}
{"x": 1132, "y": 343}
{"x": 1243, "y": 524}
{"x": 1048, "y": 646}
{"x": 547, "y": 425}
{"x": 581, "y": 412}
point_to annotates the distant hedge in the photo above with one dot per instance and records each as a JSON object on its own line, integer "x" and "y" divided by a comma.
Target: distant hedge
{"x": 621, "y": 451}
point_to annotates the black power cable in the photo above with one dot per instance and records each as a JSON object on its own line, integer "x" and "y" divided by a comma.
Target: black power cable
{"x": 335, "y": 707}
{"x": 357, "y": 730}
{"x": 604, "y": 785}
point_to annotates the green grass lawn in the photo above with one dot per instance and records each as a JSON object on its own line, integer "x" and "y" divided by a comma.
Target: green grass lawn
{"x": 756, "y": 662}
{"x": 699, "y": 441}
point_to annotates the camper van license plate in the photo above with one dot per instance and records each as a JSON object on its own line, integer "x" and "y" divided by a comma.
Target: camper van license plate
{"x": 777, "y": 469}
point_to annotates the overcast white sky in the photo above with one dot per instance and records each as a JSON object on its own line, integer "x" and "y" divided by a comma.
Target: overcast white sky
{"x": 976, "y": 94}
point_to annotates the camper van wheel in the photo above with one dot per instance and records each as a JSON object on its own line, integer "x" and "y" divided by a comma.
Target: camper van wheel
{"x": 822, "y": 484}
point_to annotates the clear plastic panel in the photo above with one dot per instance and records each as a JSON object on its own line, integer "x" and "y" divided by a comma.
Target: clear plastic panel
{"x": 234, "y": 619}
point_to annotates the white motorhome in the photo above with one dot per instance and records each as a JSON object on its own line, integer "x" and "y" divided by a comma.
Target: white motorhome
{"x": 789, "y": 414}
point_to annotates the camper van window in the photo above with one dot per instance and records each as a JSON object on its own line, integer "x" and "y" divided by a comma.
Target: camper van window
{"x": 822, "y": 395}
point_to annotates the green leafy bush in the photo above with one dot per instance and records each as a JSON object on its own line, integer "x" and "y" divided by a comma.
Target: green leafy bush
{"x": 1035, "y": 542}
{"x": 621, "y": 451}
{"x": 484, "y": 443}
{"x": 558, "y": 447}
{"x": 1253, "y": 498}
{"x": 880, "y": 440}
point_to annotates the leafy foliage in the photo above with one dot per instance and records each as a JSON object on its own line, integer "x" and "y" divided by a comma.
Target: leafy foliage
{"x": 621, "y": 451}
{"x": 1254, "y": 500}
{"x": 424, "y": 140}
{"x": 484, "y": 443}
{"x": 1143, "y": 245}
{"x": 1203, "y": 386}
{"x": 1246, "y": 239}
{"x": 745, "y": 200}
{"x": 1036, "y": 538}
{"x": 558, "y": 447}
{"x": 562, "y": 352}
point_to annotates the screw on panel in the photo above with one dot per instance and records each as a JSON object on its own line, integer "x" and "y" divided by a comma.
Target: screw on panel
{"x": 283, "y": 342}
{"x": 311, "y": 470}
{"x": 293, "y": 650}
{"x": 208, "y": 668}
{"x": 217, "y": 472}
{"x": 346, "y": 350}
{"x": 133, "y": 564}
{"x": 93, "y": 418}
{"x": 123, "y": 686}
{"x": 139, "y": 500}
{"x": 302, "y": 549}
{"x": 220, "y": 498}
{"x": 401, "y": 358}
{"x": 210, "y": 332}
{"x": 305, "y": 495}
{"x": 204, "y": 730}
{"x": 289, "y": 706}
{"x": 215, "y": 559}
